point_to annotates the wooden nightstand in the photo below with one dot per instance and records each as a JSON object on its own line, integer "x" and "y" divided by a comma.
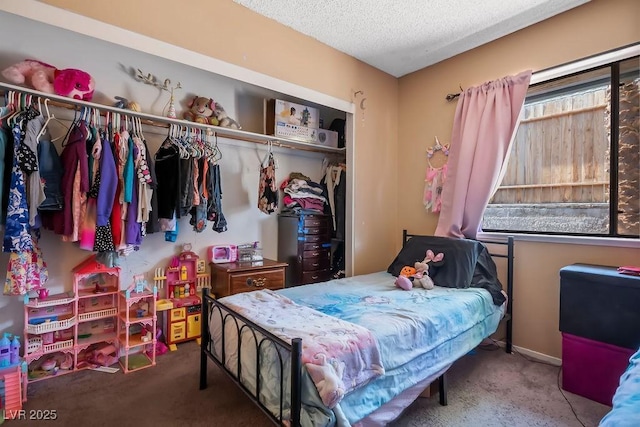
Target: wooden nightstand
{"x": 234, "y": 277}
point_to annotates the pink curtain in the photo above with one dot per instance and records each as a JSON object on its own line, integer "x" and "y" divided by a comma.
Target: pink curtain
{"x": 483, "y": 129}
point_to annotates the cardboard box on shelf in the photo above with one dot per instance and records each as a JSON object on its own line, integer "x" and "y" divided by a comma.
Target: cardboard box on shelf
{"x": 292, "y": 121}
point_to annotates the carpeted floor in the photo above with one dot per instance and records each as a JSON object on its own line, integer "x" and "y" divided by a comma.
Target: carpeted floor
{"x": 486, "y": 388}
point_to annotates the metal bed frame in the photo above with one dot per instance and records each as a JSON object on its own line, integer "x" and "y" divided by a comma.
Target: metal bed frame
{"x": 442, "y": 380}
{"x": 263, "y": 338}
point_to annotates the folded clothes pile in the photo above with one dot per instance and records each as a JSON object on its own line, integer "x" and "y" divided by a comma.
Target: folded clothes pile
{"x": 300, "y": 192}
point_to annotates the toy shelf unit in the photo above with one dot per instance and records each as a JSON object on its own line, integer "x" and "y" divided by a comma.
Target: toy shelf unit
{"x": 92, "y": 279}
{"x": 96, "y": 287}
{"x": 49, "y": 335}
{"x": 137, "y": 326}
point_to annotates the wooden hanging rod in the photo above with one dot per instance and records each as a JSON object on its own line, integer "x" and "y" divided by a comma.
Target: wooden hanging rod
{"x": 165, "y": 122}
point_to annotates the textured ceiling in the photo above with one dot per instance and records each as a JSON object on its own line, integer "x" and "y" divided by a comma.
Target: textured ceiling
{"x": 402, "y": 36}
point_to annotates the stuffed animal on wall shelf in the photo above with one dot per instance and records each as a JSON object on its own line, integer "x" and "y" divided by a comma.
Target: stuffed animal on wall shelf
{"x": 70, "y": 82}
{"x": 223, "y": 119}
{"x": 201, "y": 111}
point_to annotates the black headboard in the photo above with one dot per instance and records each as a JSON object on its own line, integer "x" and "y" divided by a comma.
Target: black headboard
{"x": 509, "y": 255}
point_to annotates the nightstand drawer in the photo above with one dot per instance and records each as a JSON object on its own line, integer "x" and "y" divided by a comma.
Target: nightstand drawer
{"x": 253, "y": 280}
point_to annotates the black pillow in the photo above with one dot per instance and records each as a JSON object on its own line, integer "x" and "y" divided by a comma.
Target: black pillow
{"x": 457, "y": 268}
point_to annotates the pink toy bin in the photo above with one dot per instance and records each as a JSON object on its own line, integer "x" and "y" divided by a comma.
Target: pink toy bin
{"x": 592, "y": 369}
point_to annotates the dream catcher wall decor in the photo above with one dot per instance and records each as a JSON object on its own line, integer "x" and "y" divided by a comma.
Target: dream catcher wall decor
{"x": 437, "y": 160}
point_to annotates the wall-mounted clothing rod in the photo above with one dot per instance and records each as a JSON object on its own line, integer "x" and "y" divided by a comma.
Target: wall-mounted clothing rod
{"x": 159, "y": 121}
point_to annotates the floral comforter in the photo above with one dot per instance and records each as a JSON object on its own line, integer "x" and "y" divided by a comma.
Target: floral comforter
{"x": 339, "y": 356}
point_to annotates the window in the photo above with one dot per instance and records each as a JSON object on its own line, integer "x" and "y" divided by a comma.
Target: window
{"x": 574, "y": 166}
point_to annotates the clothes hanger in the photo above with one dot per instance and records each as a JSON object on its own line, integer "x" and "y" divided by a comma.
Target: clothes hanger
{"x": 15, "y": 101}
{"x": 195, "y": 144}
{"x": 50, "y": 117}
{"x": 181, "y": 143}
{"x": 268, "y": 154}
{"x": 216, "y": 154}
{"x": 140, "y": 128}
{"x": 7, "y": 110}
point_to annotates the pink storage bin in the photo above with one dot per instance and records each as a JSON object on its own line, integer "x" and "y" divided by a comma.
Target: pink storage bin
{"x": 592, "y": 369}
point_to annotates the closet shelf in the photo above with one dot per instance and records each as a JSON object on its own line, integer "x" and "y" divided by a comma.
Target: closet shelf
{"x": 159, "y": 121}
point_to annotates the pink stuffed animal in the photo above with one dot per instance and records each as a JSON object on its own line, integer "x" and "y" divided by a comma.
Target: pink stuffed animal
{"x": 69, "y": 82}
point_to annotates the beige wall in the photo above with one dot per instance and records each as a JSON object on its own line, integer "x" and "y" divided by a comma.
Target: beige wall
{"x": 596, "y": 27}
{"x": 392, "y": 135}
{"x": 232, "y": 33}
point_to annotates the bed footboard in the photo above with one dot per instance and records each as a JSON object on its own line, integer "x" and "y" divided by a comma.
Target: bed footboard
{"x": 260, "y": 339}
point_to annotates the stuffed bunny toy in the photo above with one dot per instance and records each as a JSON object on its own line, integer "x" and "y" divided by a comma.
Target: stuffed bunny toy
{"x": 46, "y": 78}
{"x": 421, "y": 278}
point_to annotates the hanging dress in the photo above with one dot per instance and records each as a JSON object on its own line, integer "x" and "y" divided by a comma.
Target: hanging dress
{"x": 88, "y": 227}
{"x": 17, "y": 236}
{"x": 26, "y": 269}
{"x": 267, "y": 188}
{"x": 214, "y": 188}
{"x": 75, "y": 182}
{"x": 199, "y": 212}
{"x": 35, "y": 187}
{"x": 108, "y": 184}
{"x": 167, "y": 169}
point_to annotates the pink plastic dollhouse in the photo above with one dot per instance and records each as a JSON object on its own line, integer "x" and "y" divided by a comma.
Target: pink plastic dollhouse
{"x": 137, "y": 325}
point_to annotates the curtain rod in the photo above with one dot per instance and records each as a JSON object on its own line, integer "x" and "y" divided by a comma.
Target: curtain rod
{"x": 593, "y": 61}
{"x": 159, "y": 121}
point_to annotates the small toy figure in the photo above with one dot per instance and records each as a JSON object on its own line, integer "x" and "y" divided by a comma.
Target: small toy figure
{"x": 98, "y": 288}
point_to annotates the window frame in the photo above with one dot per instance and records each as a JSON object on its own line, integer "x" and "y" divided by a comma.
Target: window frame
{"x": 610, "y": 59}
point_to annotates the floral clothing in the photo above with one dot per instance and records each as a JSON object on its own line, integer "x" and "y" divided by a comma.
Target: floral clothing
{"x": 26, "y": 272}
{"x": 17, "y": 236}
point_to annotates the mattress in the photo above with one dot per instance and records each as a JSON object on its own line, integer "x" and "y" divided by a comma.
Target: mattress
{"x": 420, "y": 333}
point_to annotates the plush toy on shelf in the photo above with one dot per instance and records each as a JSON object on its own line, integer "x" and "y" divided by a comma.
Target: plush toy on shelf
{"x": 69, "y": 82}
{"x": 201, "y": 111}
{"x": 223, "y": 119}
